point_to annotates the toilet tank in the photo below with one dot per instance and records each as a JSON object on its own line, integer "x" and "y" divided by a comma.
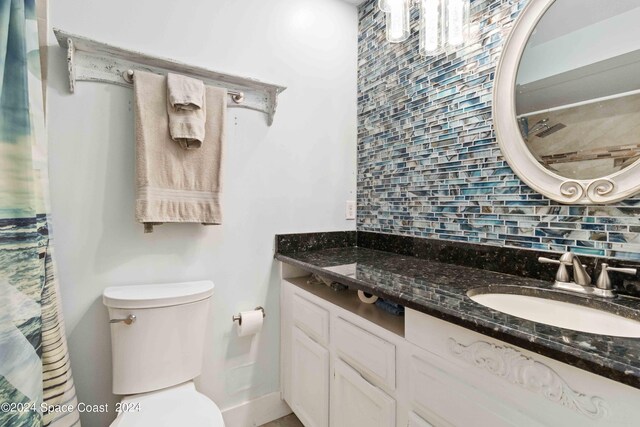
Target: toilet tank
{"x": 157, "y": 334}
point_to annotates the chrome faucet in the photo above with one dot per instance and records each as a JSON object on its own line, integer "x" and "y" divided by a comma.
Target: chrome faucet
{"x": 582, "y": 281}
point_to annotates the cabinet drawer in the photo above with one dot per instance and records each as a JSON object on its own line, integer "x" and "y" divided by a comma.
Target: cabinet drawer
{"x": 438, "y": 390}
{"x": 311, "y": 318}
{"x": 371, "y": 355}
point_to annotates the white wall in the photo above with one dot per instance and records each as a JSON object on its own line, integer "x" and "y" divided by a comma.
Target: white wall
{"x": 292, "y": 177}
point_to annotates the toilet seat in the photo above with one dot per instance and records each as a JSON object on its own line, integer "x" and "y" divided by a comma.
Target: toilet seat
{"x": 181, "y": 405}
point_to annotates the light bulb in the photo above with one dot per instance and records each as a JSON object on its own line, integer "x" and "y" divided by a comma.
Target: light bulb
{"x": 431, "y": 28}
{"x": 457, "y": 22}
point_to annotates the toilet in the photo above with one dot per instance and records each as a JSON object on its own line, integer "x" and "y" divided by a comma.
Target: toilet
{"x": 157, "y": 342}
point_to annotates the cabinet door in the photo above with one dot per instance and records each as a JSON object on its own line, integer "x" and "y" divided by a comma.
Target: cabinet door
{"x": 416, "y": 420}
{"x": 357, "y": 403}
{"x": 309, "y": 380}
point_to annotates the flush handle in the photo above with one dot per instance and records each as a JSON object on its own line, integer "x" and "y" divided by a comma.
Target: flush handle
{"x": 127, "y": 321}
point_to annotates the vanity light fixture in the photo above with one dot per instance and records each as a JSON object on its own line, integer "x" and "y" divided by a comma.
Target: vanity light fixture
{"x": 443, "y": 23}
{"x": 431, "y": 27}
{"x": 457, "y": 22}
{"x": 397, "y": 19}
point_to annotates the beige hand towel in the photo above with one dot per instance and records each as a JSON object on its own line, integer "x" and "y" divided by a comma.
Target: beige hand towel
{"x": 186, "y": 107}
{"x": 185, "y": 93}
{"x": 176, "y": 185}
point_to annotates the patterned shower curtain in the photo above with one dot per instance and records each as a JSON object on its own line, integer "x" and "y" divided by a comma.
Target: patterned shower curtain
{"x": 36, "y": 386}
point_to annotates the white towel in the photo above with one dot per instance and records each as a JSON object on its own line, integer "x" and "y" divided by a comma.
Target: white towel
{"x": 186, "y": 107}
{"x": 176, "y": 185}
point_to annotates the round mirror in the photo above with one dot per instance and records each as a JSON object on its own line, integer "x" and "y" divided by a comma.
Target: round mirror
{"x": 567, "y": 99}
{"x": 578, "y": 87}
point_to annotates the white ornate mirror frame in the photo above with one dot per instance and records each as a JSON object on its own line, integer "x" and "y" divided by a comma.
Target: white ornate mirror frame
{"x": 607, "y": 189}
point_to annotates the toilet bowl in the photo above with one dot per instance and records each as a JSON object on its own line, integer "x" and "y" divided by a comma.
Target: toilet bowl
{"x": 180, "y": 405}
{"x": 157, "y": 342}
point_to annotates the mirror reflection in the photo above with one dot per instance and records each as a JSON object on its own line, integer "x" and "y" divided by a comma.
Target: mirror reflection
{"x": 578, "y": 88}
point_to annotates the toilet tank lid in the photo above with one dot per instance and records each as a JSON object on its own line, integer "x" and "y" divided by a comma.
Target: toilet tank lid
{"x": 158, "y": 295}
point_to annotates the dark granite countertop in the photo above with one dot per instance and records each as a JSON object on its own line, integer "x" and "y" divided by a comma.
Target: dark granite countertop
{"x": 440, "y": 290}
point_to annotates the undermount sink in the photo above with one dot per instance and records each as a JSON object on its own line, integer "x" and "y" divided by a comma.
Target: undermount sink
{"x": 596, "y": 320}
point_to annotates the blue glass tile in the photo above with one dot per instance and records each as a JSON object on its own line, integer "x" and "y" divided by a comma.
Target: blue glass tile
{"x": 428, "y": 160}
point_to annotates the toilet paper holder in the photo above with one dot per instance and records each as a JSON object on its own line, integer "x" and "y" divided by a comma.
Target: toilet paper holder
{"x": 238, "y": 316}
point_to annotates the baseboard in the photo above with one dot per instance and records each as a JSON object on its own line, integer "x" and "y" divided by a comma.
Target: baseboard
{"x": 256, "y": 412}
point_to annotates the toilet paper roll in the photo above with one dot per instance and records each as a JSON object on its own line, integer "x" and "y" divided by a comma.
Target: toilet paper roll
{"x": 250, "y": 323}
{"x": 367, "y": 298}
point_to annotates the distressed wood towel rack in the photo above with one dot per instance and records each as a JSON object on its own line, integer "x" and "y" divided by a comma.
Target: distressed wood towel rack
{"x": 90, "y": 60}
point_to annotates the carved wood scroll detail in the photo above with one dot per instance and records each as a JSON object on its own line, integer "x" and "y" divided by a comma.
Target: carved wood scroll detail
{"x": 516, "y": 368}
{"x": 599, "y": 189}
{"x": 596, "y": 191}
{"x": 572, "y": 191}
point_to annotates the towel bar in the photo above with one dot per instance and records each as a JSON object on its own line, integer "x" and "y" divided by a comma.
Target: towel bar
{"x": 237, "y": 97}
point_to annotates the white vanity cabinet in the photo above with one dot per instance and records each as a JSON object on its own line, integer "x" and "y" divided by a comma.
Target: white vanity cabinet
{"x": 348, "y": 364}
{"x": 338, "y": 368}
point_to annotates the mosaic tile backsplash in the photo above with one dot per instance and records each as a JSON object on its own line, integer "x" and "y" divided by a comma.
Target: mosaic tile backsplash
{"x": 428, "y": 161}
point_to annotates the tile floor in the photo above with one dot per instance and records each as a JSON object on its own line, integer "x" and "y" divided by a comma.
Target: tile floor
{"x": 289, "y": 421}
